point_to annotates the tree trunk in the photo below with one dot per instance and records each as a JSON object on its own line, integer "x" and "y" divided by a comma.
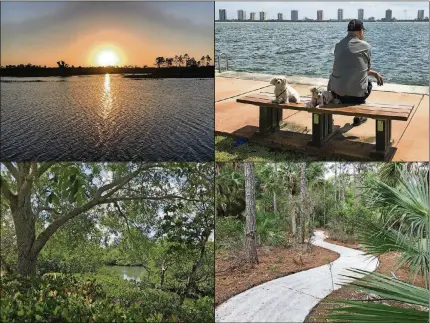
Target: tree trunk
{"x": 293, "y": 216}
{"x": 324, "y": 203}
{"x": 275, "y": 204}
{"x": 162, "y": 274}
{"x": 192, "y": 275}
{"x": 357, "y": 184}
{"x": 302, "y": 202}
{"x": 335, "y": 185}
{"x": 24, "y": 221}
{"x": 250, "y": 211}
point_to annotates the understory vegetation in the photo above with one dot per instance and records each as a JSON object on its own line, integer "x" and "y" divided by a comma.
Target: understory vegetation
{"x": 281, "y": 219}
{"x": 63, "y": 235}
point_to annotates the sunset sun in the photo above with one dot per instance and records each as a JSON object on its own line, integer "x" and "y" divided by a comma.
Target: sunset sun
{"x": 107, "y": 57}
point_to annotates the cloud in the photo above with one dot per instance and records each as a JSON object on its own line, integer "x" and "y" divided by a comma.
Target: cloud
{"x": 58, "y": 27}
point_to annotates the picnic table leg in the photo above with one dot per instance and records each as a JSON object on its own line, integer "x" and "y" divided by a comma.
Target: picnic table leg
{"x": 383, "y": 137}
{"x": 322, "y": 128}
{"x": 317, "y": 129}
{"x": 269, "y": 120}
{"x": 276, "y": 119}
{"x": 265, "y": 121}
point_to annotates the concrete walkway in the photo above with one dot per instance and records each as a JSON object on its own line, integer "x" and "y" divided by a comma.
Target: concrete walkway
{"x": 291, "y": 298}
{"x": 411, "y": 138}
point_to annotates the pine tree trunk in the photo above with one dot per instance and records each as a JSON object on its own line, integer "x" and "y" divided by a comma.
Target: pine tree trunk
{"x": 324, "y": 204}
{"x": 293, "y": 215}
{"x": 335, "y": 185}
{"x": 275, "y": 204}
{"x": 250, "y": 211}
{"x": 302, "y": 202}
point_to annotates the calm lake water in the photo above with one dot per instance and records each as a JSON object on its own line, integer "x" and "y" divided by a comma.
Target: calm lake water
{"x": 129, "y": 273}
{"x": 106, "y": 117}
{"x": 400, "y": 51}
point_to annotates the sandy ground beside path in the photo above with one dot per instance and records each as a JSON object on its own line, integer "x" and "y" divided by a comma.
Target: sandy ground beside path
{"x": 291, "y": 298}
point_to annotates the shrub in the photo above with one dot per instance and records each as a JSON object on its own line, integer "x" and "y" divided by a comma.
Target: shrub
{"x": 75, "y": 298}
{"x": 229, "y": 233}
{"x": 270, "y": 229}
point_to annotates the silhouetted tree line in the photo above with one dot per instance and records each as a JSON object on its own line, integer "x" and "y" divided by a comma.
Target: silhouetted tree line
{"x": 182, "y": 60}
{"x": 182, "y": 64}
{"x": 178, "y": 61}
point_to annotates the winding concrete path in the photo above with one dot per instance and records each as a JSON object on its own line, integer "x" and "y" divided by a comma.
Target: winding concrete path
{"x": 291, "y": 298}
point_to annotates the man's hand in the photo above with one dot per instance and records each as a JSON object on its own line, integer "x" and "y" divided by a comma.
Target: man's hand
{"x": 376, "y": 75}
{"x": 379, "y": 79}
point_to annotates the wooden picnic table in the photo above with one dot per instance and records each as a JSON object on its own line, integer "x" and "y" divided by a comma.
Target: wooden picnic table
{"x": 322, "y": 118}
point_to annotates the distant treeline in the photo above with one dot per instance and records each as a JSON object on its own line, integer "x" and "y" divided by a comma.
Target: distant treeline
{"x": 182, "y": 66}
{"x": 153, "y": 72}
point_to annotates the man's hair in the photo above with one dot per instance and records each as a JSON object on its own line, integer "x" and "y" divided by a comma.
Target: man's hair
{"x": 355, "y": 25}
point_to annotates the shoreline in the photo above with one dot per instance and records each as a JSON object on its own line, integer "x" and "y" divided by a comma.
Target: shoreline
{"x": 319, "y": 81}
{"x": 150, "y": 72}
{"x": 345, "y": 20}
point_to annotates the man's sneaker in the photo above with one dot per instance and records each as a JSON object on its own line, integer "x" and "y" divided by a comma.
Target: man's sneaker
{"x": 358, "y": 121}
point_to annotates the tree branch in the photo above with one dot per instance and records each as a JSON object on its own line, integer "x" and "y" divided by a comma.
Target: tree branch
{"x": 152, "y": 198}
{"x": 118, "y": 183}
{"x": 56, "y": 224}
{"x": 25, "y": 189}
{"x": 12, "y": 169}
{"x": 43, "y": 168}
{"x": 6, "y": 192}
{"x": 123, "y": 215}
{"x": 98, "y": 200}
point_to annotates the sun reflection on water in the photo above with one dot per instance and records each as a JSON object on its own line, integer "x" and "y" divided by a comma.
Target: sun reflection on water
{"x": 107, "y": 98}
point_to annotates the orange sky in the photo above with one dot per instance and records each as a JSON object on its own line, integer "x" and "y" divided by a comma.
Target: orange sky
{"x": 76, "y": 32}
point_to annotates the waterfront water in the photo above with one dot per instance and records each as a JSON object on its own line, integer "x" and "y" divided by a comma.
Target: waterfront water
{"x": 106, "y": 117}
{"x": 400, "y": 50}
{"x": 128, "y": 272}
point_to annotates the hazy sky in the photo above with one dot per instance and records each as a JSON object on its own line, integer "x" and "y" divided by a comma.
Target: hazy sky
{"x": 309, "y": 9}
{"x": 42, "y": 33}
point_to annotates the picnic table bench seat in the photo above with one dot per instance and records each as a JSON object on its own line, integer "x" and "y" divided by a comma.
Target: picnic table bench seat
{"x": 322, "y": 118}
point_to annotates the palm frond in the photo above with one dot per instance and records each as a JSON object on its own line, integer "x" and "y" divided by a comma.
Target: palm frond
{"x": 387, "y": 288}
{"x": 408, "y": 202}
{"x": 378, "y": 239}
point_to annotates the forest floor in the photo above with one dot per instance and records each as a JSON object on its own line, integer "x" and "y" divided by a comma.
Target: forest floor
{"x": 233, "y": 276}
{"x": 387, "y": 265}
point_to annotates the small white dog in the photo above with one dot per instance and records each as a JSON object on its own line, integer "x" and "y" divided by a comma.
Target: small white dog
{"x": 320, "y": 98}
{"x": 283, "y": 91}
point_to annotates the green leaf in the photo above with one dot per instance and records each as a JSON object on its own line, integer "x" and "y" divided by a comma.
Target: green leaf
{"x": 387, "y": 288}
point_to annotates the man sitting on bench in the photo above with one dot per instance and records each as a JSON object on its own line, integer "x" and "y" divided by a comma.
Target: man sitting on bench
{"x": 349, "y": 80}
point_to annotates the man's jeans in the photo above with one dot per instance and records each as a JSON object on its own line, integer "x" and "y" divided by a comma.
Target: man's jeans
{"x": 354, "y": 99}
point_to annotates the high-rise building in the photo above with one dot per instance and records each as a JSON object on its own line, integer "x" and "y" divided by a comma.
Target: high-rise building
{"x": 241, "y": 15}
{"x": 361, "y": 14}
{"x": 280, "y": 16}
{"x": 223, "y": 14}
{"x": 319, "y": 15}
{"x": 252, "y": 16}
{"x": 263, "y": 15}
{"x": 420, "y": 15}
{"x": 340, "y": 14}
{"x": 294, "y": 15}
{"x": 388, "y": 14}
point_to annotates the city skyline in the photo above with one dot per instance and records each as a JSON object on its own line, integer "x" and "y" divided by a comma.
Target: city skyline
{"x": 309, "y": 9}
{"x": 100, "y": 34}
